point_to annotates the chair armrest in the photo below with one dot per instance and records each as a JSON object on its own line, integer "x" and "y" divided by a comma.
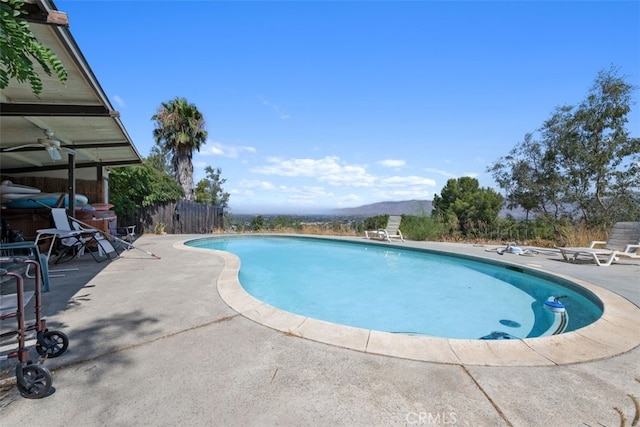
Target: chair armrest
{"x": 63, "y": 234}
{"x": 629, "y": 248}
{"x": 18, "y": 245}
{"x": 597, "y": 242}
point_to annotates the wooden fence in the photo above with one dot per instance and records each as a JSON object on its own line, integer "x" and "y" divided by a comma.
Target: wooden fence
{"x": 181, "y": 217}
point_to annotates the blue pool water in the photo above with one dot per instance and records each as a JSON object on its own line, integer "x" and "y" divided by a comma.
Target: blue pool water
{"x": 402, "y": 290}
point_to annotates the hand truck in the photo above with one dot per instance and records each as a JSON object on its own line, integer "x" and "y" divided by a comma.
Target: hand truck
{"x": 33, "y": 380}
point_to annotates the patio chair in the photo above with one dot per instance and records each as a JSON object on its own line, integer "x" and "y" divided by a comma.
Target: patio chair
{"x": 128, "y": 233}
{"x": 76, "y": 239}
{"x": 624, "y": 241}
{"x": 391, "y": 231}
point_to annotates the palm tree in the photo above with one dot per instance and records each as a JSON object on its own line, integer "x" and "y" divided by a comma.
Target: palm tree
{"x": 179, "y": 130}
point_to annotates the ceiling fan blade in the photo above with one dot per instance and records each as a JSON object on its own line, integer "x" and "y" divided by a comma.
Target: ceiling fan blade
{"x": 52, "y": 146}
{"x": 20, "y": 146}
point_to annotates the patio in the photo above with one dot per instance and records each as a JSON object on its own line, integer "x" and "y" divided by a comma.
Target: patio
{"x": 152, "y": 343}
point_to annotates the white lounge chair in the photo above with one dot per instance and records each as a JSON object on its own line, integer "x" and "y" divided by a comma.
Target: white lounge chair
{"x": 624, "y": 241}
{"x": 74, "y": 237}
{"x": 392, "y": 230}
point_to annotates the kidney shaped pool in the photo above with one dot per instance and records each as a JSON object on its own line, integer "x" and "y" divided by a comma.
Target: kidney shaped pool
{"x": 407, "y": 291}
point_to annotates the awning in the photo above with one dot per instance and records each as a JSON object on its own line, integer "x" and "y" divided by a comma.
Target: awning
{"x": 77, "y": 114}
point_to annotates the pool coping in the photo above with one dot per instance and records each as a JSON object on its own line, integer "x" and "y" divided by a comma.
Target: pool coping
{"x": 616, "y": 331}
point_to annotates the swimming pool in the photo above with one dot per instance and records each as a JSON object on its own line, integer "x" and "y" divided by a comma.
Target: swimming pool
{"x": 404, "y": 291}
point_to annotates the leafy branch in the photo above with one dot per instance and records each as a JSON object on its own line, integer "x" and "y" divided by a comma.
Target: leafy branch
{"x": 19, "y": 47}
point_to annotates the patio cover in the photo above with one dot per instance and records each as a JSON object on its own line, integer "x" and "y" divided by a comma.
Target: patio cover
{"x": 79, "y": 113}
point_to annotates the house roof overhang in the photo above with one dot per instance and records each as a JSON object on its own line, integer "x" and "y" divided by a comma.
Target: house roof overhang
{"x": 78, "y": 113}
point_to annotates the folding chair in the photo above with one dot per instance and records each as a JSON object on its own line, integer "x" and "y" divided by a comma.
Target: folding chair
{"x": 75, "y": 238}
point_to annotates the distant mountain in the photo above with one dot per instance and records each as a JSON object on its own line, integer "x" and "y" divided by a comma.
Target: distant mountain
{"x": 407, "y": 207}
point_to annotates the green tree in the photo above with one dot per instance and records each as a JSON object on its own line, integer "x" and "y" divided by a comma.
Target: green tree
{"x": 530, "y": 179}
{"x": 159, "y": 159}
{"x": 421, "y": 227}
{"x": 257, "y": 223}
{"x": 180, "y": 130}
{"x": 18, "y": 45}
{"x": 209, "y": 190}
{"x": 466, "y": 205}
{"x": 377, "y": 222}
{"x": 586, "y": 164}
{"x": 134, "y": 187}
{"x": 284, "y": 222}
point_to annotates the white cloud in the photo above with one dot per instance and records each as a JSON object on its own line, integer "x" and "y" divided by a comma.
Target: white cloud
{"x": 249, "y": 188}
{"x": 405, "y": 194}
{"x": 404, "y": 188}
{"x": 329, "y": 169}
{"x": 306, "y": 195}
{"x": 406, "y": 181}
{"x": 256, "y": 185}
{"x": 326, "y": 182}
{"x": 441, "y": 172}
{"x": 348, "y": 200}
{"x": 256, "y": 192}
{"x": 231, "y": 151}
{"x": 392, "y": 163}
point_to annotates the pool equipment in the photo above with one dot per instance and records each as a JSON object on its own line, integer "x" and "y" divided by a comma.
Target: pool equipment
{"x": 511, "y": 249}
{"x": 497, "y": 335}
{"x": 554, "y": 304}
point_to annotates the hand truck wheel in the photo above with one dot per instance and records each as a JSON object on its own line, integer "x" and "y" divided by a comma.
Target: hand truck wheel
{"x": 52, "y": 344}
{"x": 33, "y": 381}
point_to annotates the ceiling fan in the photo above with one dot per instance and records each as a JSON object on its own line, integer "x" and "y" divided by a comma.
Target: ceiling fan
{"x": 50, "y": 144}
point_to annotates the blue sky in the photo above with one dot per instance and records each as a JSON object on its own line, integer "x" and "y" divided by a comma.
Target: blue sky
{"x": 317, "y": 105}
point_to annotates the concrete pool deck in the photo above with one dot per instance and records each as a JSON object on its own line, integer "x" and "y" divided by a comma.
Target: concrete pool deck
{"x": 153, "y": 343}
{"x": 614, "y": 333}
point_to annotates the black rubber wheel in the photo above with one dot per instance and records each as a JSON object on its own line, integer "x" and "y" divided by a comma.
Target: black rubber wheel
{"x": 36, "y": 382}
{"x": 52, "y": 344}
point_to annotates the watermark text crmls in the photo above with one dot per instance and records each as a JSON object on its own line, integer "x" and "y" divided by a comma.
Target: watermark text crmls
{"x": 430, "y": 418}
